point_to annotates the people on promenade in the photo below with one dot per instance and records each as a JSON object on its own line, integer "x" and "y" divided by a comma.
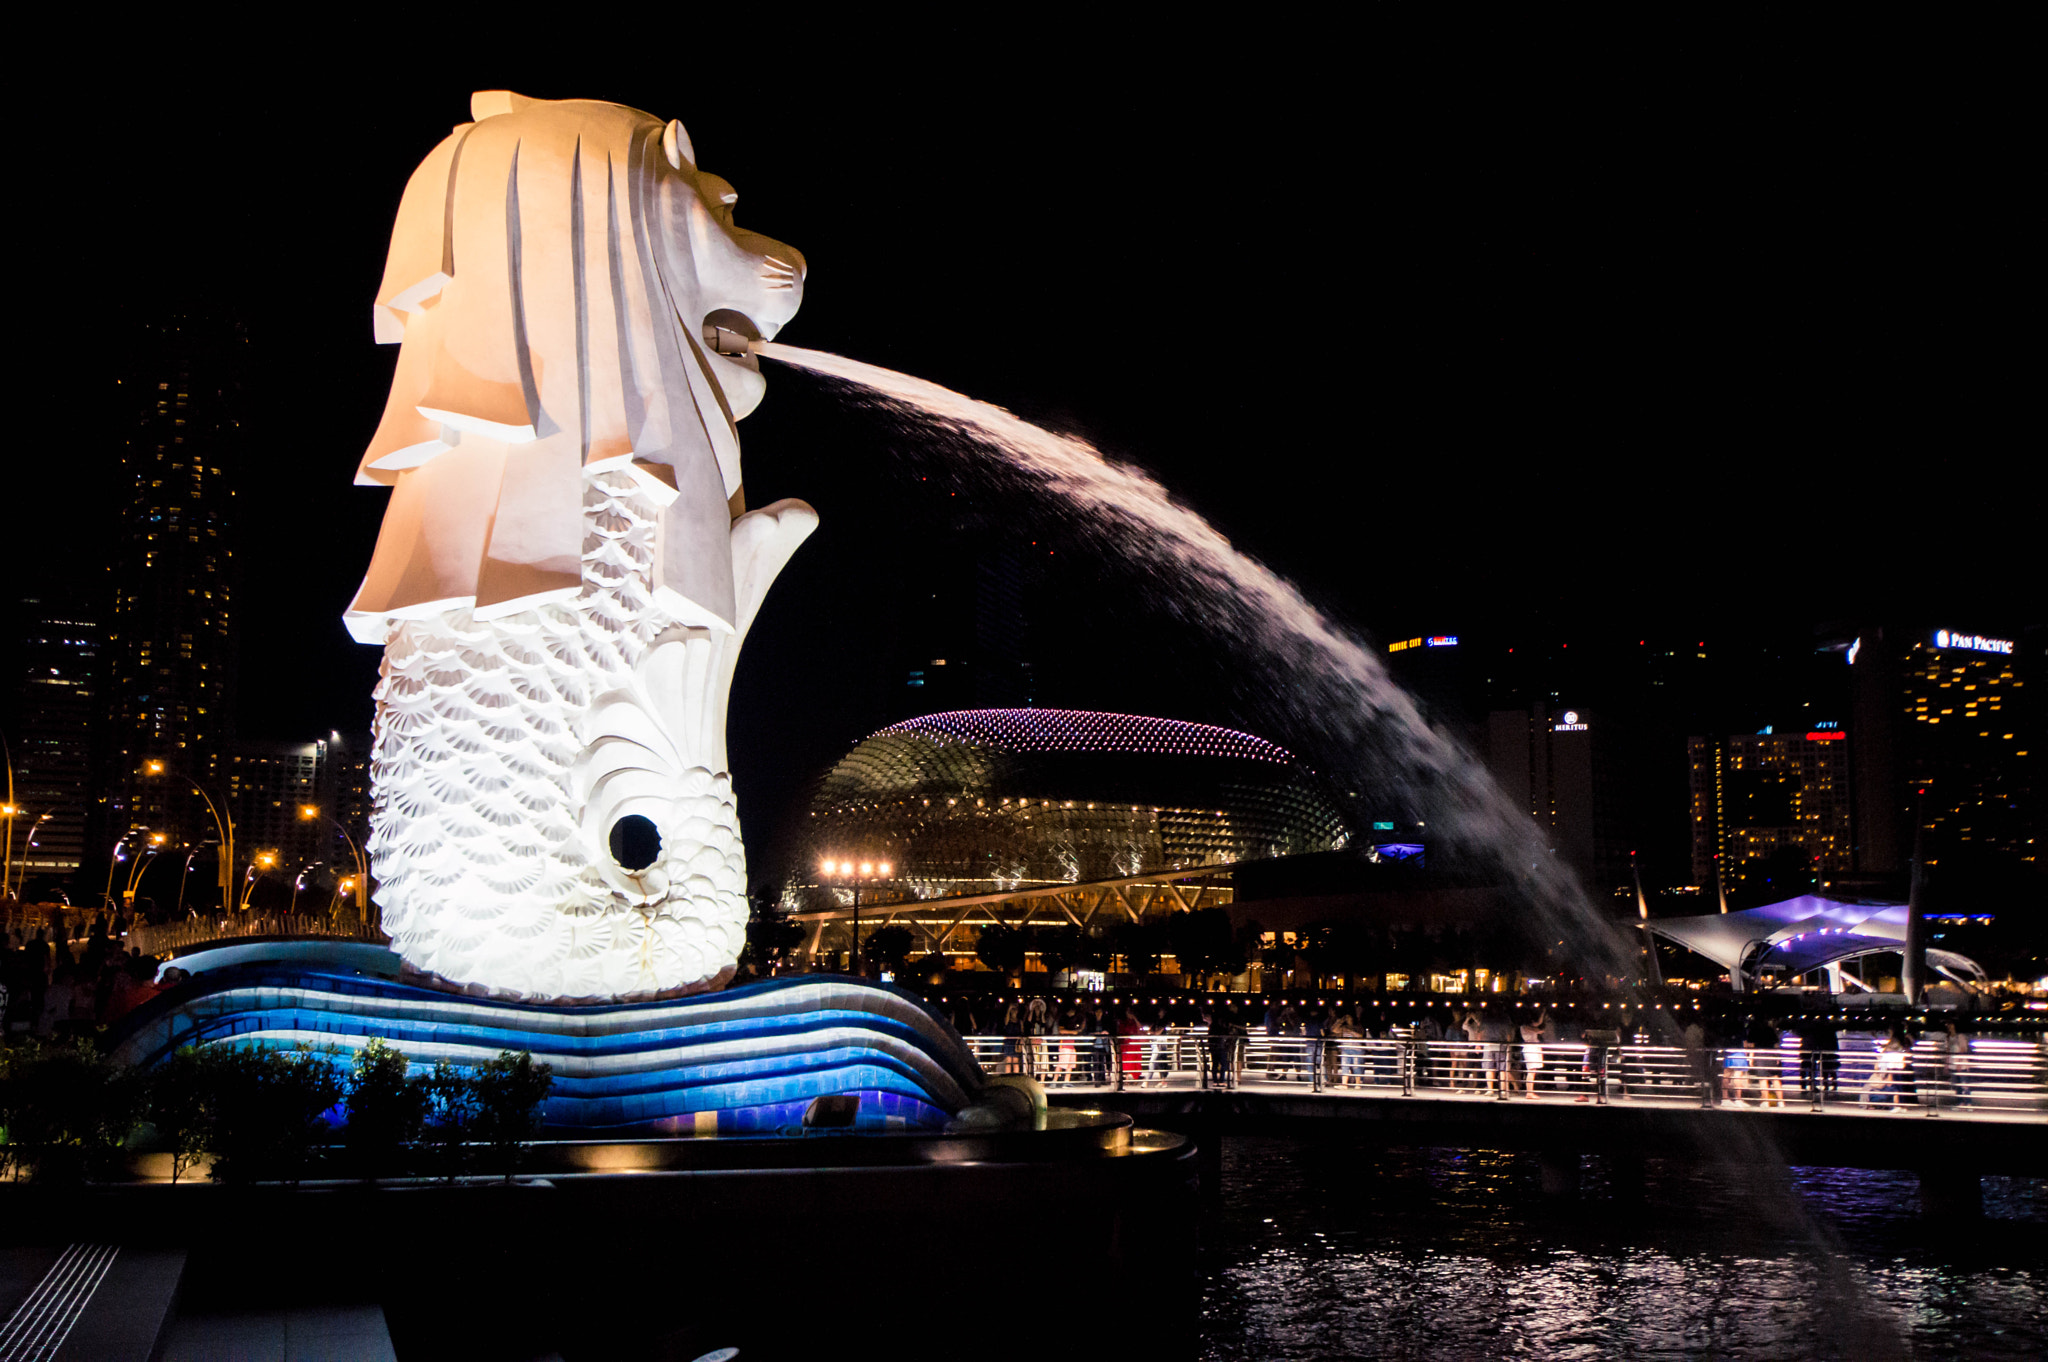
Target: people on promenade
{"x": 1426, "y": 1033}
{"x": 1035, "y": 1030}
{"x": 1013, "y": 1039}
{"x": 1289, "y": 1051}
{"x": 1467, "y": 1069}
{"x": 1497, "y": 1035}
{"x": 1891, "y": 1072}
{"x": 1955, "y": 1063}
{"x": 1532, "y": 1054}
{"x": 1766, "y": 1062}
{"x": 1828, "y": 1042}
{"x": 1129, "y": 1050}
{"x": 1070, "y": 1049}
{"x": 1351, "y": 1054}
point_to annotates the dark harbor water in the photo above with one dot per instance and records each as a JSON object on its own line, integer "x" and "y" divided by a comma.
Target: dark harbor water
{"x": 1322, "y": 1248}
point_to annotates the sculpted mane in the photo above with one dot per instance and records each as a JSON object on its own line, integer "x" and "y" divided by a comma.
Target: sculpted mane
{"x": 549, "y": 277}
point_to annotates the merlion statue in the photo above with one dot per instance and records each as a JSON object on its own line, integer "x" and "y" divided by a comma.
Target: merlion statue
{"x": 567, "y": 567}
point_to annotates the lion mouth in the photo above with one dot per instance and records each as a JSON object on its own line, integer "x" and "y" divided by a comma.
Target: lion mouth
{"x": 732, "y": 335}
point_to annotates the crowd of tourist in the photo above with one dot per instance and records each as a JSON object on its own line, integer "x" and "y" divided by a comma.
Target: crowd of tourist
{"x": 62, "y": 975}
{"x": 1483, "y": 1046}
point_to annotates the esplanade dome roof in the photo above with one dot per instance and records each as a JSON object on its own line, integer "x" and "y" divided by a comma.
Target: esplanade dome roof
{"x": 971, "y": 801}
{"x": 1080, "y": 730}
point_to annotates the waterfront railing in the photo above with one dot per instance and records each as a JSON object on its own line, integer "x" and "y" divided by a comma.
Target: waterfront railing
{"x": 1990, "y": 1075}
{"x": 178, "y": 936}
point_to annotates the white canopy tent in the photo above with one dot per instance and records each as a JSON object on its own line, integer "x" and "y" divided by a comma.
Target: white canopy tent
{"x": 1798, "y": 935}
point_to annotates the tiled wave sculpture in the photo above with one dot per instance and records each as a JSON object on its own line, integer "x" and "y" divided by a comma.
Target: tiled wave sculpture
{"x": 748, "y": 1060}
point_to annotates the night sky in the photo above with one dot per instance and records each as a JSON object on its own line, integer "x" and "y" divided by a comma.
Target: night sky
{"x": 1537, "y": 333}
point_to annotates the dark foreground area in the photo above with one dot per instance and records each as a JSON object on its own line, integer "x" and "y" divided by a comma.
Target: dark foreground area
{"x": 1299, "y": 1245}
{"x": 1329, "y": 1246}
{"x": 648, "y": 1251}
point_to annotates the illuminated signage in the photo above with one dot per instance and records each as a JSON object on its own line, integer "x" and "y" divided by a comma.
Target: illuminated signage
{"x": 1403, "y": 645}
{"x": 1382, "y": 827}
{"x": 1836, "y": 736}
{"x": 1975, "y": 643}
{"x": 1854, "y": 649}
{"x": 1827, "y": 723}
{"x": 1441, "y": 641}
{"x": 1570, "y": 723}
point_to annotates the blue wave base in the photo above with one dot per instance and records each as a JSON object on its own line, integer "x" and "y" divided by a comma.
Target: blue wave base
{"x": 748, "y": 1060}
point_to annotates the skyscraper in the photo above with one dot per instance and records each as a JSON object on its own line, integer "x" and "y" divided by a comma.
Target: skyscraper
{"x": 171, "y": 627}
{"x": 267, "y": 784}
{"x": 56, "y": 708}
{"x": 1771, "y": 811}
{"x": 1947, "y": 721}
{"x": 1546, "y": 761}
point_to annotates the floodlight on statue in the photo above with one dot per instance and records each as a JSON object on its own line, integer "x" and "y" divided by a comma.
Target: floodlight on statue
{"x": 567, "y": 568}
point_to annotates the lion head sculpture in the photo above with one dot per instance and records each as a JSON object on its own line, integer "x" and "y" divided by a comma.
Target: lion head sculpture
{"x": 552, "y": 273}
{"x": 567, "y": 567}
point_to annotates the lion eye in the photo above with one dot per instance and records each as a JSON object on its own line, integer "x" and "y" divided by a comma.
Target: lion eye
{"x": 636, "y": 842}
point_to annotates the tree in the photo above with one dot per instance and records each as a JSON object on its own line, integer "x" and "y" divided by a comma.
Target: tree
{"x": 509, "y": 1093}
{"x": 1000, "y": 948}
{"x": 269, "y": 1109}
{"x": 1140, "y": 944}
{"x": 451, "y": 1116}
{"x": 1059, "y": 948}
{"x": 771, "y": 936}
{"x": 65, "y": 1110}
{"x": 386, "y": 1110}
{"x": 180, "y": 1107}
{"x": 1204, "y": 944}
{"x": 888, "y": 947}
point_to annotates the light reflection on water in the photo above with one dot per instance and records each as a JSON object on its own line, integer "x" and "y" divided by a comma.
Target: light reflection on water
{"x": 1319, "y": 1248}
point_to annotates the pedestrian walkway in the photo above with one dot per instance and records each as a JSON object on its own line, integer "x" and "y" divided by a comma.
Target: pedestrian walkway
{"x": 1994, "y": 1080}
{"x": 354, "y": 1333}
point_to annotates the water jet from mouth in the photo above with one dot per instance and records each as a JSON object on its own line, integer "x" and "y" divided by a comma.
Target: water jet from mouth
{"x": 1365, "y": 729}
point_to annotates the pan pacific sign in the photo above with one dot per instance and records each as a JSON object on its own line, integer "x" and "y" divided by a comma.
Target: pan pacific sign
{"x": 1974, "y": 643}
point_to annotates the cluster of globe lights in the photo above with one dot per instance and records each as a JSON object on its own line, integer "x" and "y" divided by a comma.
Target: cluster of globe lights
{"x": 843, "y": 868}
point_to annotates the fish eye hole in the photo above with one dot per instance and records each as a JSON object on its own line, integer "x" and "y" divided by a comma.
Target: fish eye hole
{"x": 636, "y": 842}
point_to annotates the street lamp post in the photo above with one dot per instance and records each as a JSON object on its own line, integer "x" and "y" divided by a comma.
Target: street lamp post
{"x": 362, "y": 875}
{"x": 178, "y": 913}
{"x": 299, "y": 883}
{"x": 19, "y": 877}
{"x": 114, "y": 859}
{"x": 7, "y": 870}
{"x": 854, "y": 874}
{"x": 156, "y": 844}
{"x": 264, "y": 860}
{"x": 223, "y": 822}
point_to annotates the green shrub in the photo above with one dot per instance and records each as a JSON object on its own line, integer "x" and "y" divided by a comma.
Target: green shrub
{"x": 178, "y": 1097}
{"x": 451, "y": 1118}
{"x": 386, "y": 1110}
{"x": 509, "y": 1091}
{"x": 65, "y": 1111}
{"x": 269, "y": 1111}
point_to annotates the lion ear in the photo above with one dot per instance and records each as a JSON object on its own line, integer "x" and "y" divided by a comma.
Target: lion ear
{"x": 490, "y": 103}
{"x": 675, "y": 144}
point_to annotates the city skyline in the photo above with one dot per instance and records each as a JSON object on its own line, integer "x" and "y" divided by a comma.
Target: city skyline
{"x": 1431, "y": 425}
